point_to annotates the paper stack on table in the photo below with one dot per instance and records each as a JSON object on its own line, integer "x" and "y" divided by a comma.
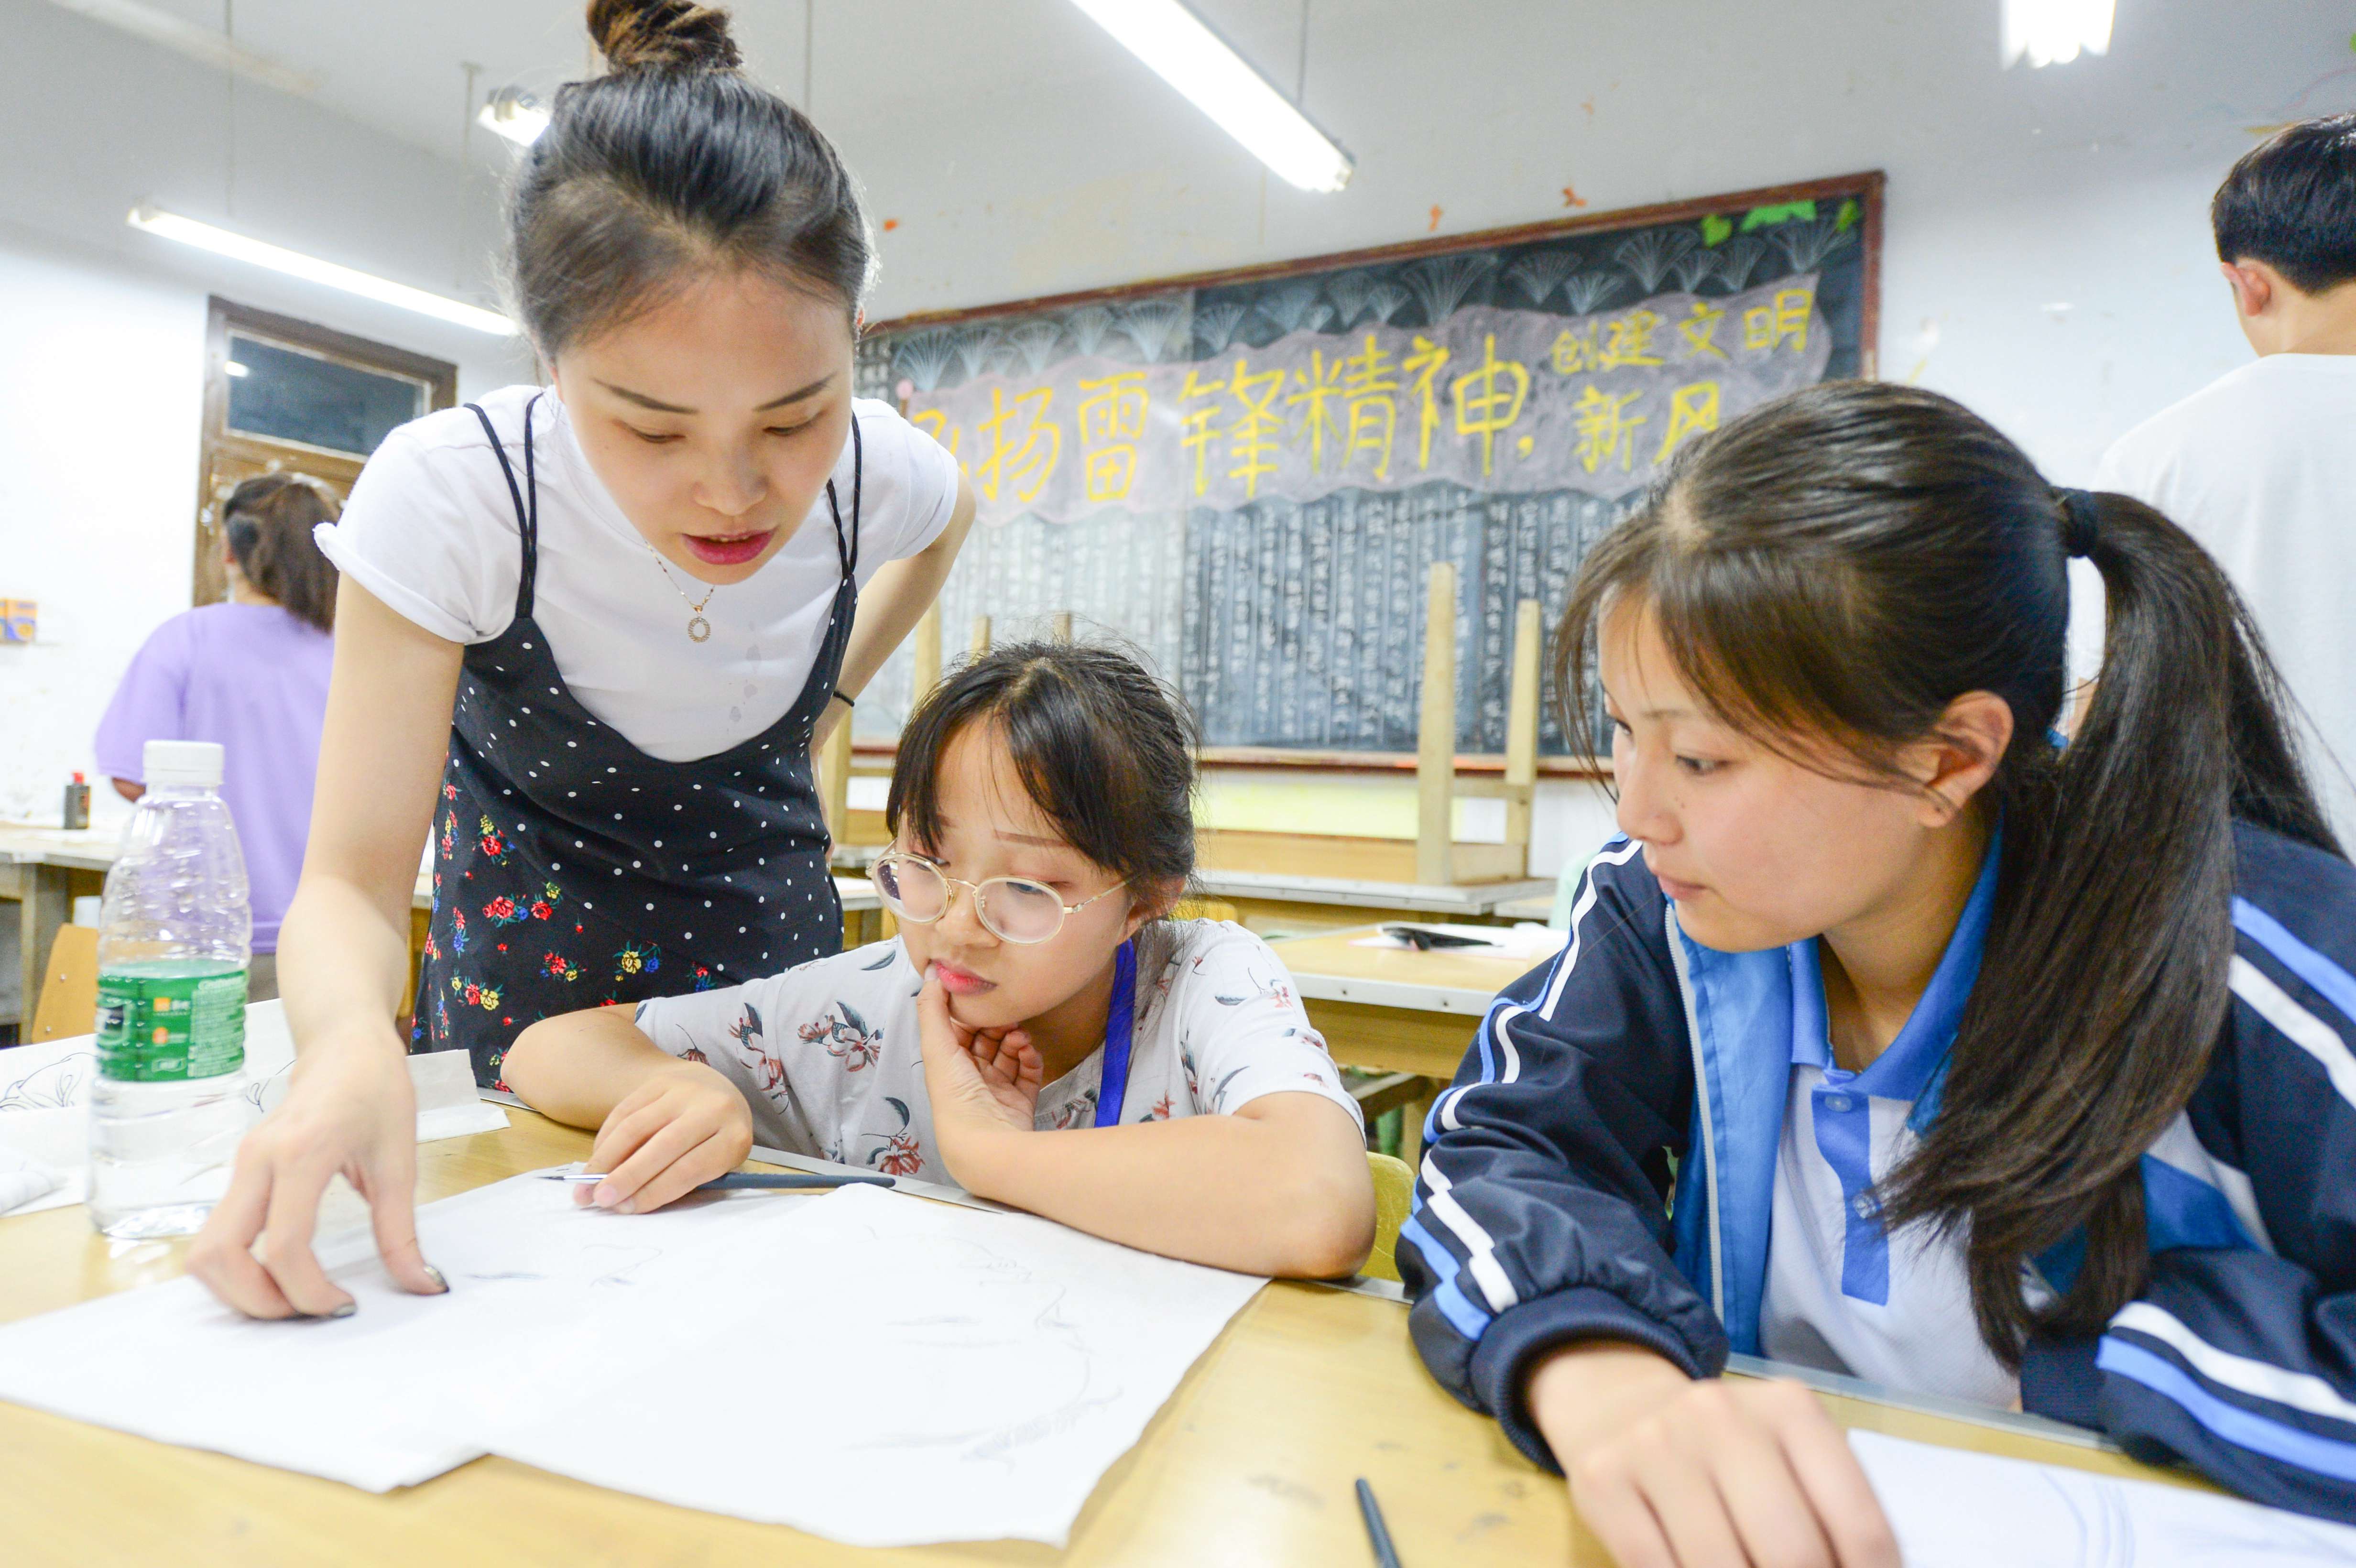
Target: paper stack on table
{"x": 868, "y": 1366}
{"x": 44, "y": 1137}
{"x": 1958, "y": 1510}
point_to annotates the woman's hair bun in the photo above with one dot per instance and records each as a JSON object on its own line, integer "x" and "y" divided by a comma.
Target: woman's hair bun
{"x": 663, "y": 35}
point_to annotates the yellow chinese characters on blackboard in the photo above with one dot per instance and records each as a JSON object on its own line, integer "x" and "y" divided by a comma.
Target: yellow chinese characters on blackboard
{"x": 1249, "y": 476}
{"x": 1492, "y": 396}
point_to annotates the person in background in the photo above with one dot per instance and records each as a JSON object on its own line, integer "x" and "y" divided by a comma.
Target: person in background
{"x": 250, "y": 674}
{"x": 2260, "y": 465}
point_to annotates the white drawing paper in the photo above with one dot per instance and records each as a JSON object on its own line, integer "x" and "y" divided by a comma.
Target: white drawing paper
{"x": 918, "y": 1373}
{"x": 46, "y": 1076}
{"x": 404, "y": 1389}
{"x": 1956, "y": 1510}
{"x": 865, "y": 1365}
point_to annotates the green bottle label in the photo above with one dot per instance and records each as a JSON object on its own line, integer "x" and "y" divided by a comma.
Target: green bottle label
{"x": 167, "y": 1023}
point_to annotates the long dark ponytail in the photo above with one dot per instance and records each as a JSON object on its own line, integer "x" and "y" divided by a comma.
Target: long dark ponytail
{"x": 269, "y": 521}
{"x": 1832, "y": 570}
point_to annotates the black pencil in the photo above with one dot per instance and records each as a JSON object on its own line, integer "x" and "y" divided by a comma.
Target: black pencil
{"x": 1376, "y": 1533}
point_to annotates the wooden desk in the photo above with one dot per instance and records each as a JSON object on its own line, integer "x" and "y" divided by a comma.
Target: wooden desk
{"x": 1290, "y": 905}
{"x": 43, "y": 870}
{"x": 1251, "y": 1462}
{"x": 1394, "y": 1010}
{"x": 1540, "y": 909}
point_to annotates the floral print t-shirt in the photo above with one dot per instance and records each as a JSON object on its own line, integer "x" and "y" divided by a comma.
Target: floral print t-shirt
{"x": 828, "y": 1056}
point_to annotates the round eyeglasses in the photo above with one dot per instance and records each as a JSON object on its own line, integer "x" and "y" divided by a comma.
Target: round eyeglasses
{"x": 1015, "y": 909}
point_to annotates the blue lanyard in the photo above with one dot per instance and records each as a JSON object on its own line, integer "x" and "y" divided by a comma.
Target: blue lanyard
{"x": 1114, "y": 1086}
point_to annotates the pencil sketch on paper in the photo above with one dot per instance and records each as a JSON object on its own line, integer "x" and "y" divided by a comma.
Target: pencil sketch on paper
{"x": 955, "y": 1375}
{"x": 545, "y": 1238}
{"x": 54, "y": 1083}
{"x": 617, "y": 1263}
{"x": 1005, "y": 1317}
{"x": 263, "y": 1092}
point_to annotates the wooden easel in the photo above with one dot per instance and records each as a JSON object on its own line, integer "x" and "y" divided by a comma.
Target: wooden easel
{"x": 1439, "y": 858}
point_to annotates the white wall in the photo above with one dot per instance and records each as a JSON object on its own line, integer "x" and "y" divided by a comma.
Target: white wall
{"x": 102, "y": 335}
{"x": 96, "y": 494}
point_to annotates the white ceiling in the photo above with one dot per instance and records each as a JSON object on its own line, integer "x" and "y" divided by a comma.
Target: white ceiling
{"x": 400, "y": 67}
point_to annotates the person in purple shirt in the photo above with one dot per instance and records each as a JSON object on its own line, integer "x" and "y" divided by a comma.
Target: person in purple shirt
{"x": 253, "y": 676}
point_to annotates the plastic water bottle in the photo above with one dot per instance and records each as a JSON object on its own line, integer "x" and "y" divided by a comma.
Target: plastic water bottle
{"x": 174, "y": 936}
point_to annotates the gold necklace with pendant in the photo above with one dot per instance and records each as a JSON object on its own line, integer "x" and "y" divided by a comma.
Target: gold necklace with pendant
{"x": 698, "y": 628}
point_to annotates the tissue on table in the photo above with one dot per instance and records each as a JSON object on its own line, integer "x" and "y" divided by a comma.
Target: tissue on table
{"x": 44, "y": 1160}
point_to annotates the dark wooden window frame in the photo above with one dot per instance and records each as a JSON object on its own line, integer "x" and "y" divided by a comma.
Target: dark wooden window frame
{"x": 338, "y": 469}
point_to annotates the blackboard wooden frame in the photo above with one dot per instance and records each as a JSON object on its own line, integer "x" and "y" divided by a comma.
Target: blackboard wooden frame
{"x": 1865, "y": 186}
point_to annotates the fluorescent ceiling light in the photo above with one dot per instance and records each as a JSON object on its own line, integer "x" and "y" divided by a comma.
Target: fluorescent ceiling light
{"x": 202, "y": 44}
{"x": 1191, "y": 58}
{"x": 220, "y": 242}
{"x": 515, "y": 114}
{"x": 2052, "y": 32}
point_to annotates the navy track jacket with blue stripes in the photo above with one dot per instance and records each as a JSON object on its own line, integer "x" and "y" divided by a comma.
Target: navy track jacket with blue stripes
{"x": 1544, "y": 1209}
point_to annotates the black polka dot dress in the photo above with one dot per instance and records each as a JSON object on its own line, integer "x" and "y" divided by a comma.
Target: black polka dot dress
{"x": 572, "y": 870}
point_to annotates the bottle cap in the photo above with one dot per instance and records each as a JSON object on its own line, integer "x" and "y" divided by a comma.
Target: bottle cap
{"x": 78, "y": 779}
{"x": 187, "y": 764}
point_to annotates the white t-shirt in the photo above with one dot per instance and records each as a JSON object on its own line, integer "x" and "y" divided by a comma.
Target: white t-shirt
{"x": 829, "y": 1057}
{"x": 431, "y": 530}
{"x": 2260, "y": 466}
{"x": 1920, "y": 1334}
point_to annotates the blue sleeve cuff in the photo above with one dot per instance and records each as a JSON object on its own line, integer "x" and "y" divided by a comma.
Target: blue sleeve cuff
{"x": 2059, "y": 1380}
{"x": 1513, "y": 1345}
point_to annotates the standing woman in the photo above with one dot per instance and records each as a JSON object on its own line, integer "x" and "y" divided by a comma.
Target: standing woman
{"x": 589, "y": 634}
{"x": 251, "y": 675}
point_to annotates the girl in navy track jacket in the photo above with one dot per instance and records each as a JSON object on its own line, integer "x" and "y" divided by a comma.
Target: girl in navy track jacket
{"x": 1894, "y": 1037}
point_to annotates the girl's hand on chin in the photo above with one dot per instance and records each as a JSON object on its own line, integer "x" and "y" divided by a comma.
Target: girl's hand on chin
{"x": 978, "y": 1078}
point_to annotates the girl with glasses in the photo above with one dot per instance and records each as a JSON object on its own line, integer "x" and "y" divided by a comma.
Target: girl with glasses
{"x": 1036, "y": 1033}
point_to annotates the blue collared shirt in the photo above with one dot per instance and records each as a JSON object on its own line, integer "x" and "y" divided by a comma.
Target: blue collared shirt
{"x": 1841, "y": 1292}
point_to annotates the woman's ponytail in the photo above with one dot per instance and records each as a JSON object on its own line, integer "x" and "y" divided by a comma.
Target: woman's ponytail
{"x": 2106, "y": 966}
{"x": 269, "y": 521}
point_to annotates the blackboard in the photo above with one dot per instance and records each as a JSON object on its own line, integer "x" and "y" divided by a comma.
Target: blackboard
{"x": 1248, "y": 475}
